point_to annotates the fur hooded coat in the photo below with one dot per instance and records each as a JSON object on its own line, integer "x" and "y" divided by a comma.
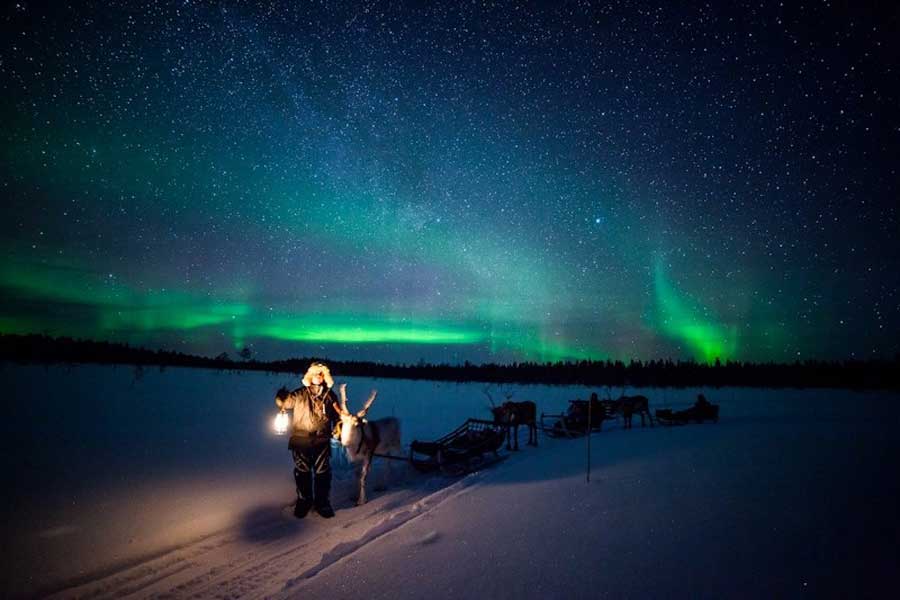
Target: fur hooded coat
{"x": 314, "y": 415}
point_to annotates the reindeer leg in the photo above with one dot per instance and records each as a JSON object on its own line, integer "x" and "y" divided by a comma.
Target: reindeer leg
{"x": 363, "y": 473}
{"x": 385, "y": 474}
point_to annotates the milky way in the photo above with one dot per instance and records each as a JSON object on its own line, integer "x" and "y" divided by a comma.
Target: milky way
{"x": 474, "y": 181}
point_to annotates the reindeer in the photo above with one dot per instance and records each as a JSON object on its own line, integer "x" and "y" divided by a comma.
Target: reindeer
{"x": 362, "y": 439}
{"x": 513, "y": 414}
{"x": 628, "y": 405}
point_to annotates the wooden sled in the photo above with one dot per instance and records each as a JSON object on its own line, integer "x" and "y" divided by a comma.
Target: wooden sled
{"x": 696, "y": 414}
{"x": 462, "y": 450}
{"x": 574, "y": 422}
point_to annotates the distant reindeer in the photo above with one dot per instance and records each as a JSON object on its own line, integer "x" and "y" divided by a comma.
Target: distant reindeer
{"x": 363, "y": 439}
{"x": 629, "y": 405}
{"x": 512, "y": 414}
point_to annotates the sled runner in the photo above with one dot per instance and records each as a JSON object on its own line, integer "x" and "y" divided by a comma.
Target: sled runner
{"x": 461, "y": 450}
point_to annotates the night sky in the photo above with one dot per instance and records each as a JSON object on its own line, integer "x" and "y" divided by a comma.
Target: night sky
{"x": 466, "y": 181}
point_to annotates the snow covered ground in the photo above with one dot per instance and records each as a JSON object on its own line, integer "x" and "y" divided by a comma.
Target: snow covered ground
{"x": 173, "y": 485}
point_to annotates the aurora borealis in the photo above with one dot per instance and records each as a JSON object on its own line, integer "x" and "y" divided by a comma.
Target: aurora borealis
{"x": 482, "y": 181}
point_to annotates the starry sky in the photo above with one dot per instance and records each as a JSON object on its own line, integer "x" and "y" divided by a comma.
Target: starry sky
{"x": 451, "y": 181}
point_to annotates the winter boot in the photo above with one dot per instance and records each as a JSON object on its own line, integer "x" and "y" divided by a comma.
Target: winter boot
{"x": 303, "y": 480}
{"x": 323, "y": 490}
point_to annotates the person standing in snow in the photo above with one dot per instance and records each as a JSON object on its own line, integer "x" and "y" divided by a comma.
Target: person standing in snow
{"x": 313, "y": 420}
{"x": 702, "y": 403}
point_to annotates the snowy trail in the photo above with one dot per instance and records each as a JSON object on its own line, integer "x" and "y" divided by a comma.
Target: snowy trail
{"x": 225, "y": 565}
{"x": 391, "y": 523}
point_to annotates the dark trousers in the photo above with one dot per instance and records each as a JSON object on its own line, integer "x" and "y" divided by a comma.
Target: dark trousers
{"x": 312, "y": 464}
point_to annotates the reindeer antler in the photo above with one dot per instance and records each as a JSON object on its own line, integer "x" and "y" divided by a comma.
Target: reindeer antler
{"x": 343, "y": 390}
{"x": 485, "y": 391}
{"x": 368, "y": 403}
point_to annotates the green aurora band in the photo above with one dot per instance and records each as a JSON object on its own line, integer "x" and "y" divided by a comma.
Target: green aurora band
{"x": 680, "y": 318}
{"x": 108, "y": 308}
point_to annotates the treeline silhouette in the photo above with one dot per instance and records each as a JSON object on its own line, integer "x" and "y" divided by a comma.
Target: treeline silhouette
{"x": 851, "y": 374}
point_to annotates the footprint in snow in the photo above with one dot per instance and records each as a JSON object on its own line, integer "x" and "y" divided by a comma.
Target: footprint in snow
{"x": 429, "y": 538}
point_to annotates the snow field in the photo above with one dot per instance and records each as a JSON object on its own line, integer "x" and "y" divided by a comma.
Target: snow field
{"x": 174, "y": 486}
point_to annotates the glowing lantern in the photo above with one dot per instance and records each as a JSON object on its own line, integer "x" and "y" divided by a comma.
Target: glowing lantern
{"x": 281, "y": 423}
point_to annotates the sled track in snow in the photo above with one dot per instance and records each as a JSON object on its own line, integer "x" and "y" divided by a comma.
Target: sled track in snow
{"x": 227, "y": 566}
{"x": 391, "y": 523}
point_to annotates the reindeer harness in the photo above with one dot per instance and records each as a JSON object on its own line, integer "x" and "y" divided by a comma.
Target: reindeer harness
{"x": 363, "y": 439}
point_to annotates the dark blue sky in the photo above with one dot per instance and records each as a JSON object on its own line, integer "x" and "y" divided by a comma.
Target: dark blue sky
{"x": 475, "y": 181}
